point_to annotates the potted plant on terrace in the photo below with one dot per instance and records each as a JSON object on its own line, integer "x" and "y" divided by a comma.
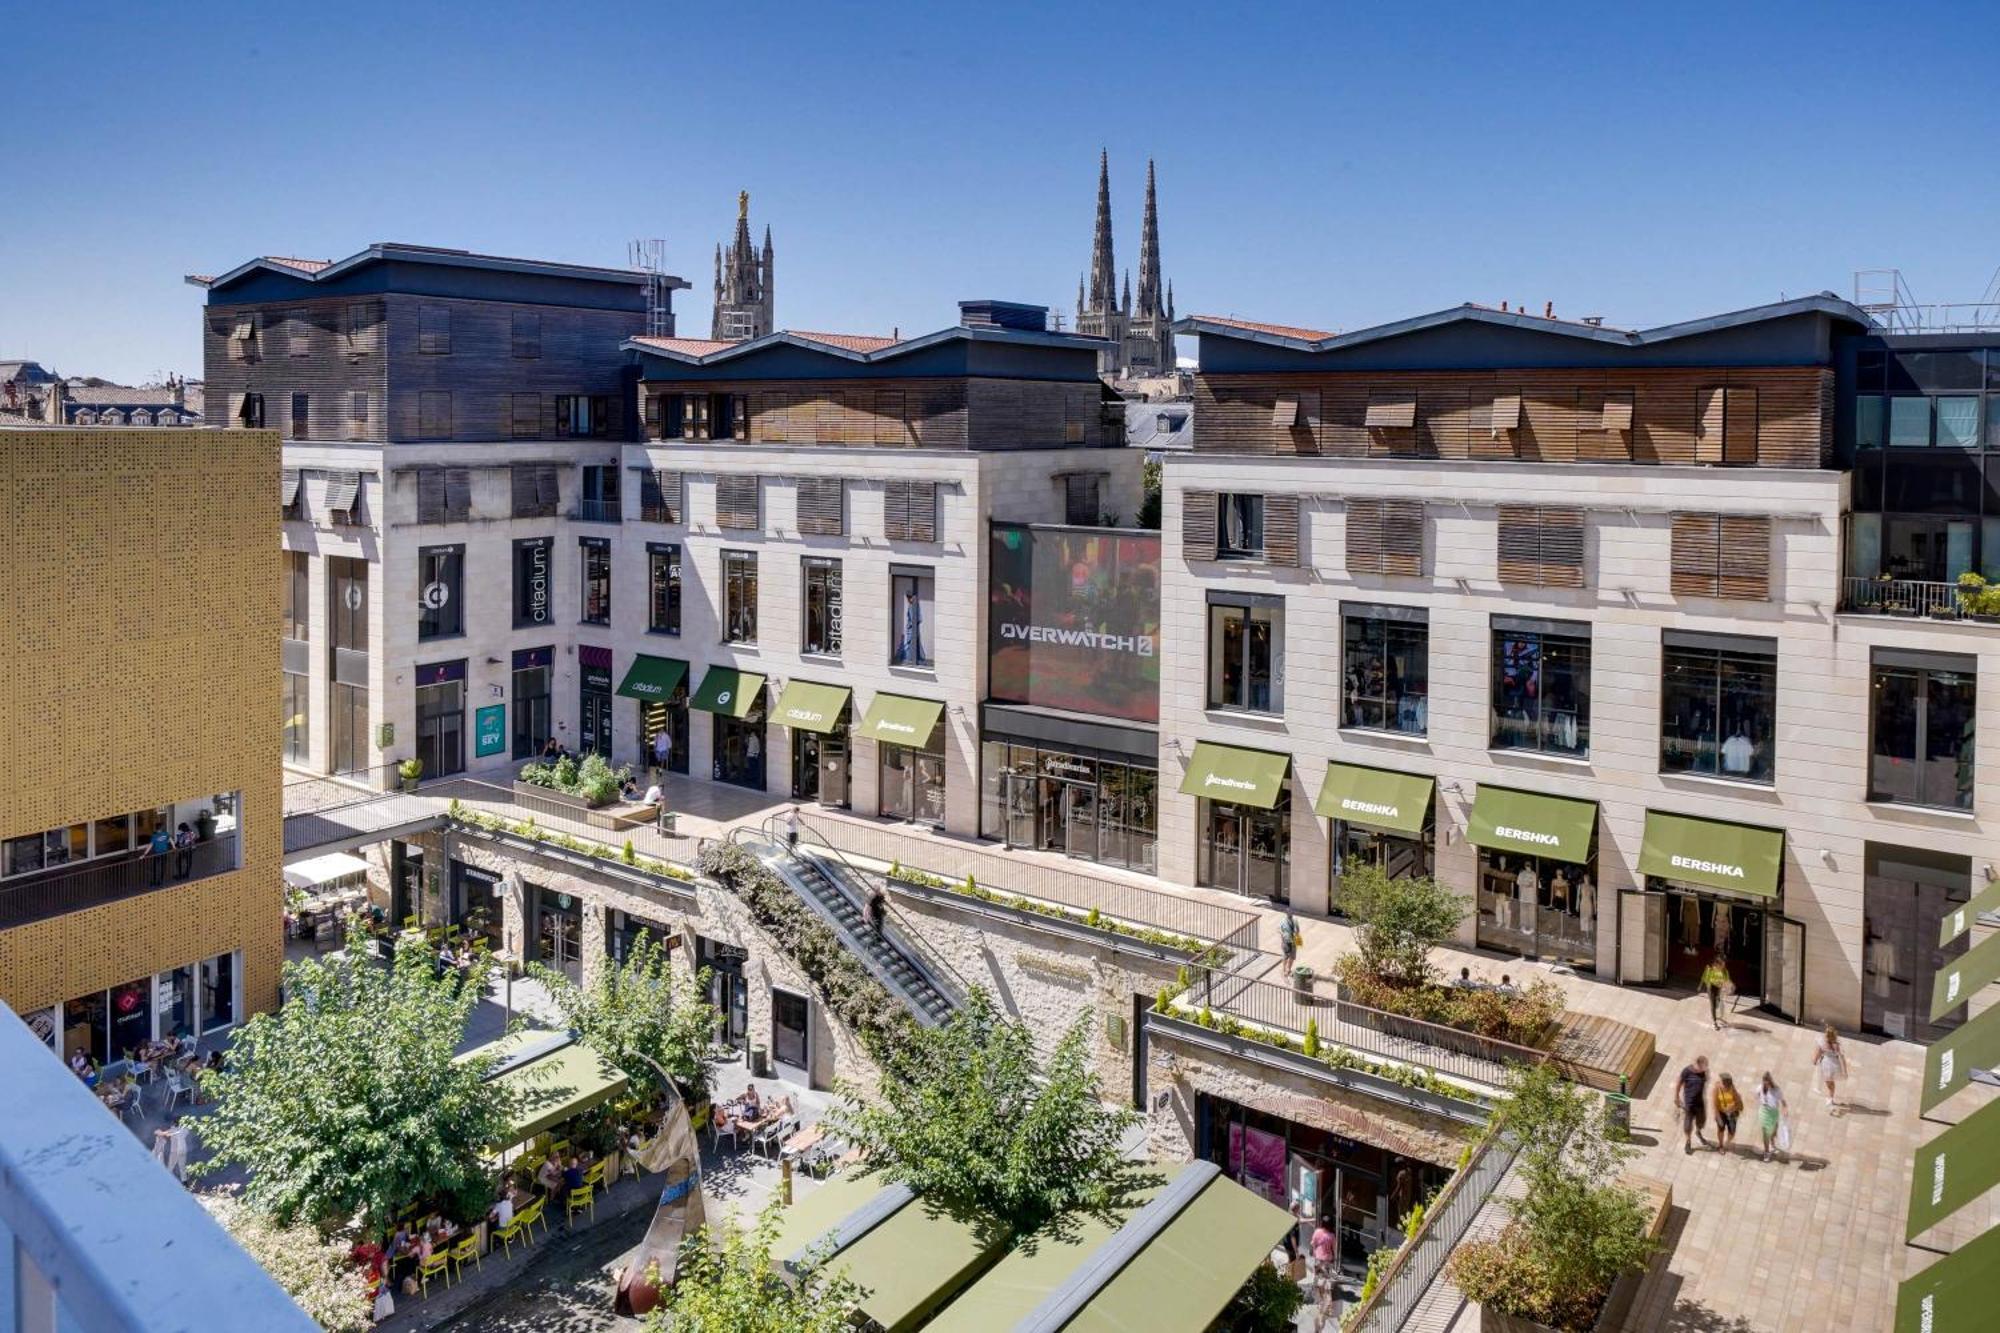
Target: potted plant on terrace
{"x": 410, "y": 771}
{"x": 1977, "y": 598}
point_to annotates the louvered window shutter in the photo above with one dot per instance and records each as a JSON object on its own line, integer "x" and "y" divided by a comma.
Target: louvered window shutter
{"x": 736, "y": 502}
{"x": 289, "y": 486}
{"x": 922, "y": 503}
{"x": 1402, "y": 537}
{"x": 548, "y": 489}
{"x": 1743, "y": 565}
{"x": 1364, "y": 536}
{"x": 1198, "y": 525}
{"x": 1710, "y": 413}
{"x": 1697, "y": 555}
{"x": 1560, "y": 559}
{"x": 1519, "y": 543}
{"x": 820, "y": 507}
{"x": 1739, "y": 425}
{"x": 430, "y": 495}
{"x": 1281, "y": 529}
{"x": 457, "y": 494}
{"x": 524, "y": 490}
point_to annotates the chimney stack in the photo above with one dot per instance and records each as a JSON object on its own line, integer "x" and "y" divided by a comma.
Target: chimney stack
{"x": 1548, "y": 310}
{"x": 1503, "y": 307}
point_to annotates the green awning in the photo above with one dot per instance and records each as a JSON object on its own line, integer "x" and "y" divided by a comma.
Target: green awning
{"x": 1963, "y": 917}
{"x": 901, "y": 720}
{"x": 1955, "y": 1294}
{"x": 1953, "y": 1169}
{"x": 1736, "y": 858}
{"x": 1375, "y": 797}
{"x": 1187, "y": 1274}
{"x": 1974, "y": 968}
{"x": 1950, "y": 1060}
{"x": 1521, "y": 821}
{"x": 910, "y": 1263}
{"x": 1231, "y": 773}
{"x": 810, "y": 706}
{"x": 548, "y": 1088}
{"x": 727, "y": 691}
{"x": 653, "y": 678}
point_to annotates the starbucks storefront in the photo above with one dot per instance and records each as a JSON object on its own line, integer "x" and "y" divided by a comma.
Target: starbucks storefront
{"x": 1537, "y": 875}
{"x": 1379, "y": 818}
{"x": 1714, "y": 892}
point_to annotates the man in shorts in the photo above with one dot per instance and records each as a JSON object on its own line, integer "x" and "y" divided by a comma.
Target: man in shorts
{"x": 1691, "y": 1094}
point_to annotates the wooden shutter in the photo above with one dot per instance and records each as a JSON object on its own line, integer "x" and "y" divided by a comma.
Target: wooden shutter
{"x": 909, "y": 511}
{"x": 736, "y": 502}
{"x": 1198, "y": 525}
{"x": 821, "y": 507}
{"x": 1366, "y": 521}
{"x": 1285, "y": 415}
{"x": 1743, "y": 566}
{"x": 430, "y": 495}
{"x": 1506, "y": 412}
{"x": 1739, "y": 425}
{"x": 659, "y": 496}
{"x": 1540, "y": 545}
{"x": 1709, "y": 416}
{"x": 1617, "y": 414}
{"x": 889, "y": 409}
{"x": 1394, "y": 409}
{"x": 457, "y": 494}
{"x": 1082, "y": 500}
{"x": 1281, "y": 529}
{"x": 343, "y": 498}
{"x": 548, "y": 489}
{"x": 1519, "y": 543}
{"x": 1696, "y": 560}
{"x": 1403, "y": 537}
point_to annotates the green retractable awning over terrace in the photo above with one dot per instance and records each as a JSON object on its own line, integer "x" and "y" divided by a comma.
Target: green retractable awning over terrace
{"x": 1506, "y": 820}
{"x": 1376, "y": 797}
{"x": 727, "y": 691}
{"x": 810, "y": 706}
{"x": 901, "y": 720}
{"x": 1736, "y": 858}
{"x": 550, "y": 1079}
{"x": 1236, "y": 775}
{"x": 653, "y": 678}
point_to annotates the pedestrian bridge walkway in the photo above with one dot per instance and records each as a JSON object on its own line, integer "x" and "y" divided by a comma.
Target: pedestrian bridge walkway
{"x": 362, "y": 822}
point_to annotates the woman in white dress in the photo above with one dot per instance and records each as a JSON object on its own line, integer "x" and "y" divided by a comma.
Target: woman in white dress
{"x": 1830, "y": 1064}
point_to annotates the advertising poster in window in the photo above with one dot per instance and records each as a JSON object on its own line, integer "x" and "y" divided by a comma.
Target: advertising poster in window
{"x": 1075, "y": 620}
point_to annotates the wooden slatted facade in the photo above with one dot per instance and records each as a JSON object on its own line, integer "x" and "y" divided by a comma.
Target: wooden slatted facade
{"x": 1722, "y": 555}
{"x": 821, "y": 504}
{"x": 945, "y": 413}
{"x": 1763, "y": 417}
{"x": 736, "y": 502}
{"x": 1385, "y": 536}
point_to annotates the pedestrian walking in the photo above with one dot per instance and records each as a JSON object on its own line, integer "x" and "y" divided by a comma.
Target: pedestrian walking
{"x": 1288, "y": 940}
{"x": 1830, "y": 1065}
{"x": 1713, "y": 978}
{"x": 1770, "y": 1114}
{"x": 1728, "y": 1106}
{"x": 1692, "y": 1094}
{"x": 792, "y": 828}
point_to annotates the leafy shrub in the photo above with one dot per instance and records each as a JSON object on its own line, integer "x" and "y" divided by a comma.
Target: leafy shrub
{"x": 1398, "y": 921}
{"x": 1528, "y": 1018}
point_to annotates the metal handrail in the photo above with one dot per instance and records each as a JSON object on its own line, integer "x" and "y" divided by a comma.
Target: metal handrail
{"x": 109, "y": 879}
{"x": 1901, "y": 597}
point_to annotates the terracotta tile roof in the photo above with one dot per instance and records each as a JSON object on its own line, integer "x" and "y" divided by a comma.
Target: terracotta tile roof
{"x": 686, "y": 346}
{"x": 302, "y": 265}
{"x": 847, "y": 342}
{"x": 1280, "y": 330}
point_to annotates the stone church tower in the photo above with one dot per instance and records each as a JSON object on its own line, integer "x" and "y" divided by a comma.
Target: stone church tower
{"x": 743, "y": 295}
{"x": 1141, "y": 331}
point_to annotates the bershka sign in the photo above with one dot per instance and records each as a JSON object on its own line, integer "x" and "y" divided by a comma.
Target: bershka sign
{"x": 1370, "y": 808}
{"x": 1141, "y": 644}
{"x": 1526, "y": 835}
{"x": 1707, "y": 867}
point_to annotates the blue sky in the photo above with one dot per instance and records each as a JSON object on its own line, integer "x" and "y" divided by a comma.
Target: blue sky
{"x": 1327, "y": 164}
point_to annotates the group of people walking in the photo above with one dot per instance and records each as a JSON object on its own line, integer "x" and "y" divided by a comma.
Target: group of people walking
{"x": 1695, "y": 1099}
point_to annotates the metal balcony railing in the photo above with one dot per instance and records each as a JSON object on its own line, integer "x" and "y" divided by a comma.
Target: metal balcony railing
{"x": 597, "y": 511}
{"x": 1901, "y": 597}
{"x": 96, "y": 1235}
{"x": 108, "y": 879}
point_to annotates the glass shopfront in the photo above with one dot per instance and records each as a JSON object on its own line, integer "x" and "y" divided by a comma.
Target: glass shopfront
{"x": 559, "y": 932}
{"x": 1091, "y": 804}
{"x": 1905, "y": 893}
{"x": 441, "y": 718}
{"x": 593, "y": 724}
{"x": 735, "y": 699}
{"x": 109, "y": 1025}
{"x": 1244, "y": 842}
{"x": 534, "y": 723}
{"x": 1537, "y": 894}
{"x": 1713, "y": 893}
{"x": 1378, "y": 818}
{"x": 819, "y": 719}
{"x": 1361, "y": 1191}
{"x": 660, "y": 686}
{"x": 727, "y": 989}
{"x": 910, "y": 760}
{"x": 623, "y": 931}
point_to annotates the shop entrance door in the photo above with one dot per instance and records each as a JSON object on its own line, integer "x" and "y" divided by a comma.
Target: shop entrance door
{"x": 1784, "y": 966}
{"x": 833, "y": 768}
{"x": 1079, "y": 802}
{"x": 1264, "y": 874}
{"x": 1225, "y": 847}
{"x": 1049, "y": 815}
{"x": 1642, "y": 937}
{"x": 789, "y": 1042}
{"x": 805, "y": 765}
{"x": 1018, "y": 793}
{"x": 559, "y": 940}
{"x": 593, "y": 729}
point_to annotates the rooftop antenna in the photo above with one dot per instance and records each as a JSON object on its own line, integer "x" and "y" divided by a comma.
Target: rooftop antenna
{"x": 650, "y": 258}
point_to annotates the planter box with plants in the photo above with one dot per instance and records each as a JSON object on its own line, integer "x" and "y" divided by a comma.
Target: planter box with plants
{"x": 585, "y": 785}
{"x": 1164, "y": 941}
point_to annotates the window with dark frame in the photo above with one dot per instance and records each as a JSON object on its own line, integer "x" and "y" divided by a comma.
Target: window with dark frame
{"x": 250, "y": 411}
{"x": 295, "y": 616}
{"x": 739, "y": 597}
{"x": 1718, "y": 706}
{"x": 663, "y": 573}
{"x": 1246, "y": 637}
{"x": 595, "y": 553}
{"x": 1922, "y": 724}
{"x": 598, "y": 499}
{"x": 660, "y": 496}
{"x": 301, "y": 416}
{"x": 582, "y": 416}
{"x": 433, "y": 330}
{"x": 912, "y": 608}
{"x": 357, "y": 409}
{"x": 1385, "y": 668}
{"x": 1239, "y": 526}
{"x": 1541, "y": 688}
{"x": 1083, "y": 502}
{"x": 821, "y": 632}
{"x": 440, "y": 592}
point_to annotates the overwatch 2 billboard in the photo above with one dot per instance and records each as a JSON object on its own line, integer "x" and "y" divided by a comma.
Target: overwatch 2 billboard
{"x": 1074, "y": 621}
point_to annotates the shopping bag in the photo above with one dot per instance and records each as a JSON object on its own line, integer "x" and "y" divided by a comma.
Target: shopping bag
{"x": 1784, "y": 1136}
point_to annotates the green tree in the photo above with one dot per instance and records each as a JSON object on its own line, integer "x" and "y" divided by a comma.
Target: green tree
{"x": 1149, "y": 503}
{"x": 1268, "y": 1302}
{"x": 315, "y": 1272}
{"x": 1575, "y": 1227}
{"x": 1398, "y": 921}
{"x": 726, "y": 1283}
{"x": 641, "y": 1012}
{"x": 972, "y": 1119}
{"x": 347, "y": 1102}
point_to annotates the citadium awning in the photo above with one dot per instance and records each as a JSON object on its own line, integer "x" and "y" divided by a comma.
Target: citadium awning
{"x": 810, "y": 706}
{"x": 1236, "y": 775}
{"x": 727, "y": 691}
{"x": 653, "y": 678}
{"x": 1736, "y": 858}
{"x": 901, "y": 720}
{"x": 1376, "y": 797}
{"x": 1505, "y": 820}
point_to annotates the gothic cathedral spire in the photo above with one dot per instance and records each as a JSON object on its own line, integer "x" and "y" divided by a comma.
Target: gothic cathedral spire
{"x": 1103, "y": 264}
{"x": 1137, "y": 332}
{"x": 1149, "y": 252}
{"x": 744, "y": 302}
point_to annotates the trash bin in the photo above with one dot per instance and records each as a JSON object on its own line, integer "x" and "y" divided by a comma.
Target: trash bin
{"x": 668, "y": 819}
{"x": 1618, "y": 1116}
{"x": 760, "y": 1062}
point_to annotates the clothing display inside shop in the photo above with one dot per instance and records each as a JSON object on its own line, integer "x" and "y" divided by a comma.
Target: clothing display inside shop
{"x": 1537, "y": 907}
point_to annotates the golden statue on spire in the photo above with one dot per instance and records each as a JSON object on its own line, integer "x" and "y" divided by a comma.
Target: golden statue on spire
{"x": 743, "y": 205}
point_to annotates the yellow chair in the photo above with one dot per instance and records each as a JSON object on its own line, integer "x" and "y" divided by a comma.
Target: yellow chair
{"x": 533, "y": 1214}
{"x": 467, "y": 1248}
{"x": 560, "y": 1148}
{"x": 583, "y": 1196}
{"x": 593, "y": 1176}
{"x": 525, "y": 1218}
{"x": 431, "y": 1267}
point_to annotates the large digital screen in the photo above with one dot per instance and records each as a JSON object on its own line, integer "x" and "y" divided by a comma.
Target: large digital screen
{"x": 1074, "y": 621}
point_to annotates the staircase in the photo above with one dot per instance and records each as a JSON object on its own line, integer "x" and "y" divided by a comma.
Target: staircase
{"x": 895, "y": 955}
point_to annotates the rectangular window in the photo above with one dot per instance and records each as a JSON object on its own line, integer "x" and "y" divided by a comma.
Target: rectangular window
{"x": 297, "y": 599}
{"x": 739, "y": 597}
{"x": 534, "y": 581}
{"x": 694, "y": 416}
{"x": 1246, "y": 646}
{"x": 1871, "y": 420}
{"x": 1541, "y": 687}
{"x": 301, "y": 416}
{"x": 1239, "y": 526}
{"x": 912, "y": 601}
{"x": 250, "y": 411}
{"x": 527, "y": 334}
{"x": 1386, "y": 669}
{"x": 599, "y": 501}
{"x": 821, "y": 632}
{"x": 355, "y": 322}
{"x": 909, "y": 511}
{"x": 357, "y": 412}
{"x": 433, "y": 330}
{"x": 536, "y": 490}
{"x": 659, "y": 496}
{"x": 730, "y": 414}
{"x": 670, "y": 416}
{"x": 434, "y": 414}
{"x": 1958, "y": 422}
{"x": 1923, "y": 711}
{"x": 1540, "y": 545}
{"x": 297, "y": 727}
{"x": 1083, "y": 500}
{"x": 663, "y": 573}
{"x": 821, "y": 504}
{"x": 1718, "y": 706}
{"x": 441, "y": 718}
{"x": 440, "y": 592}
{"x": 582, "y": 416}
{"x": 533, "y": 700}
{"x": 525, "y": 415}
{"x": 444, "y": 495}
{"x": 243, "y": 338}
{"x": 1909, "y": 423}
{"x": 343, "y": 499}
{"x": 736, "y": 503}
{"x": 596, "y": 579}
